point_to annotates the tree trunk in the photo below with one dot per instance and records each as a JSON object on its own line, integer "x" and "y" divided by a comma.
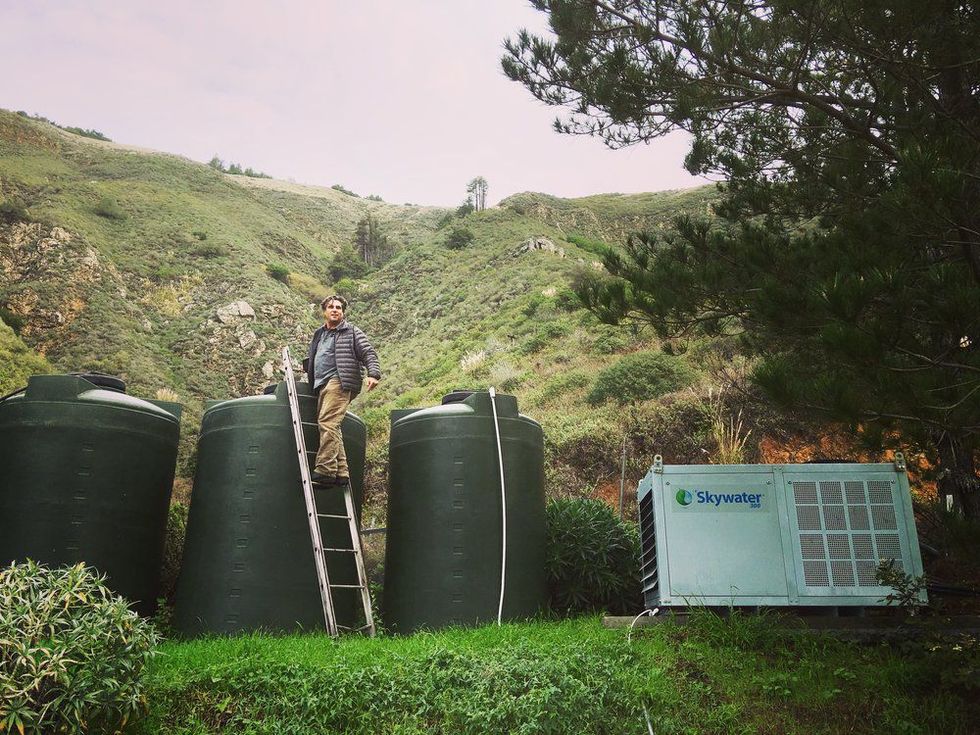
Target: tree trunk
{"x": 959, "y": 476}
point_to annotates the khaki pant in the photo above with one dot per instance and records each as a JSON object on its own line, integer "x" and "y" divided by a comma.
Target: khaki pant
{"x": 331, "y": 407}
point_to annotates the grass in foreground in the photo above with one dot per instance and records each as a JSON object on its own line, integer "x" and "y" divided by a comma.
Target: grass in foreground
{"x": 712, "y": 676}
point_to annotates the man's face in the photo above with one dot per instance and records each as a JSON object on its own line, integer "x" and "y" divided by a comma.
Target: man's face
{"x": 333, "y": 313}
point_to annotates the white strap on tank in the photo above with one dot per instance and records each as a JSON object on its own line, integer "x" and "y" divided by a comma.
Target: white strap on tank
{"x": 503, "y": 508}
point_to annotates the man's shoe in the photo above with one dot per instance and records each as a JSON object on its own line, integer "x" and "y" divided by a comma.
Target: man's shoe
{"x": 341, "y": 481}
{"x": 317, "y": 479}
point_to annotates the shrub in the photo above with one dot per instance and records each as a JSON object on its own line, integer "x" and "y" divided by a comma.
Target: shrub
{"x": 459, "y": 238}
{"x": 173, "y": 549}
{"x": 347, "y": 263}
{"x": 596, "y": 247}
{"x": 640, "y": 377}
{"x": 110, "y": 209}
{"x": 211, "y": 251}
{"x": 72, "y": 653}
{"x": 593, "y": 559}
{"x": 544, "y": 335}
{"x": 12, "y": 319}
{"x": 200, "y": 235}
{"x": 344, "y": 190}
{"x": 13, "y": 211}
{"x": 278, "y": 271}
{"x": 310, "y": 287}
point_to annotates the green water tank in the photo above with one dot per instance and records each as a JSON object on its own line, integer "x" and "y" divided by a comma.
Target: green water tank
{"x": 248, "y": 559}
{"x": 87, "y": 475}
{"x": 443, "y": 552}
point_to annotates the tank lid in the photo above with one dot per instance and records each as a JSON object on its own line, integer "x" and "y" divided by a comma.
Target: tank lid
{"x": 457, "y": 395}
{"x": 103, "y": 380}
{"x": 72, "y": 388}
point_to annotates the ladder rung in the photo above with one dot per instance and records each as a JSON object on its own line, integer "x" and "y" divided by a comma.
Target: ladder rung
{"x": 346, "y": 551}
{"x": 329, "y": 515}
{"x": 355, "y": 630}
{"x": 348, "y": 586}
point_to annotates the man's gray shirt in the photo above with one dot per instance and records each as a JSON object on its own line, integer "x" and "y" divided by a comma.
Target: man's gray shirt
{"x": 325, "y": 362}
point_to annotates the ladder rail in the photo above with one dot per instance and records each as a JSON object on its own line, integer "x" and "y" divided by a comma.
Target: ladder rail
{"x": 323, "y": 576}
{"x": 314, "y": 516}
{"x": 355, "y": 535}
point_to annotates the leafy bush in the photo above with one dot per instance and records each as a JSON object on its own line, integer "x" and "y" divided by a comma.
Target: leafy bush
{"x": 278, "y": 271}
{"x": 310, "y": 287}
{"x": 593, "y": 558}
{"x": 211, "y": 251}
{"x": 542, "y": 337}
{"x": 640, "y": 377}
{"x": 110, "y": 209}
{"x": 12, "y": 319}
{"x": 459, "y": 238}
{"x": 596, "y": 247}
{"x": 173, "y": 549}
{"x": 13, "y": 211}
{"x": 347, "y": 263}
{"x": 344, "y": 190}
{"x": 72, "y": 653}
{"x": 568, "y": 300}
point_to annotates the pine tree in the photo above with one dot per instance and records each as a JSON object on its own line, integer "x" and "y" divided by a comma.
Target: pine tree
{"x": 477, "y": 193}
{"x": 847, "y": 248}
{"x": 371, "y": 243}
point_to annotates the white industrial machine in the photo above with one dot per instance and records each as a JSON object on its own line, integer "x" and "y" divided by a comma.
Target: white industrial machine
{"x": 790, "y": 535}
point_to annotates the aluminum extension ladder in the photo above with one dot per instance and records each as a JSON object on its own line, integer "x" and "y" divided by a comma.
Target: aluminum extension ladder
{"x": 314, "y": 517}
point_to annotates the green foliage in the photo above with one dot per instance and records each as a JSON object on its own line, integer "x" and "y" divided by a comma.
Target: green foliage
{"x": 346, "y": 263}
{"x": 593, "y": 559}
{"x": 13, "y": 320}
{"x": 371, "y": 243}
{"x": 86, "y": 133}
{"x": 73, "y": 654}
{"x": 477, "y": 190}
{"x": 236, "y": 169}
{"x": 849, "y": 248}
{"x": 344, "y": 190}
{"x": 17, "y": 361}
{"x": 278, "y": 271}
{"x": 200, "y": 235}
{"x": 109, "y": 208}
{"x": 596, "y": 247}
{"x": 13, "y": 210}
{"x": 173, "y": 549}
{"x": 907, "y": 590}
{"x": 543, "y": 335}
{"x": 640, "y": 377}
{"x": 211, "y": 251}
{"x": 459, "y": 237}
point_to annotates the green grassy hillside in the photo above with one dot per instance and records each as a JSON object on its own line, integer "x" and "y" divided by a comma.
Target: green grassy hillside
{"x": 136, "y": 263}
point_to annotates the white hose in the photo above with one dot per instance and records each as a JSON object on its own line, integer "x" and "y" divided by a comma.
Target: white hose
{"x": 503, "y": 508}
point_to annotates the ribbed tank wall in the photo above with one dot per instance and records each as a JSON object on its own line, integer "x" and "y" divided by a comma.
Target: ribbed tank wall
{"x": 443, "y": 552}
{"x": 86, "y": 477}
{"x": 248, "y": 560}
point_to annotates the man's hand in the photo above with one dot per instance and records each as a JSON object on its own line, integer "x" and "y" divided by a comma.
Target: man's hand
{"x": 370, "y": 382}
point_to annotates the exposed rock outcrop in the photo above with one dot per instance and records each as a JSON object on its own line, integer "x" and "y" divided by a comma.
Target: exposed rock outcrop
{"x": 539, "y": 243}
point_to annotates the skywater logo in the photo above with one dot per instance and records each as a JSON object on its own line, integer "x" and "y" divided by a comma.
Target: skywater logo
{"x": 720, "y": 500}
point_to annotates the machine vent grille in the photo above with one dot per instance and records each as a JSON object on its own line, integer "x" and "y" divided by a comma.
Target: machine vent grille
{"x": 648, "y": 549}
{"x": 844, "y": 529}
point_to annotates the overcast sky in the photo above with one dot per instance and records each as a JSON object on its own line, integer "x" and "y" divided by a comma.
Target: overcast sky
{"x": 400, "y": 98}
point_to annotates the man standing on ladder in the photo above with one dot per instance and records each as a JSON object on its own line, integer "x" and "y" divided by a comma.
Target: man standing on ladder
{"x": 337, "y": 353}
